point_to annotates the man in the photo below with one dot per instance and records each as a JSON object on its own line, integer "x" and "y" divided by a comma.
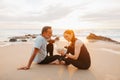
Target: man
{"x": 39, "y": 54}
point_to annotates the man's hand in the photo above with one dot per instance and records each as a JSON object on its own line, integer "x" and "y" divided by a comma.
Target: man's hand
{"x": 23, "y": 68}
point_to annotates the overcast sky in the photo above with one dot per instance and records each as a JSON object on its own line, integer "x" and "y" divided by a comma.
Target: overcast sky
{"x": 60, "y": 13}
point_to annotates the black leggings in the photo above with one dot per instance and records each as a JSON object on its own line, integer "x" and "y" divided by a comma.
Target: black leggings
{"x": 49, "y": 59}
{"x": 77, "y": 63}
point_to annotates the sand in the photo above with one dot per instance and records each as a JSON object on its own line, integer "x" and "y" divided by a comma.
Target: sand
{"x": 105, "y": 57}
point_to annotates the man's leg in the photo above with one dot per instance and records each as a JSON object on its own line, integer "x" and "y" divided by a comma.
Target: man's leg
{"x": 51, "y": 53}
{"x": 50, "y": 59}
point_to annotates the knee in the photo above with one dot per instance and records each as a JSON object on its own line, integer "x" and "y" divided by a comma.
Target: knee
{"x": 84, "y": 67}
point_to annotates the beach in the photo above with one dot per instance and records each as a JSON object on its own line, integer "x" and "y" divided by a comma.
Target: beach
{"x": 95, "y": 22}
{"x": 105, "y": 57}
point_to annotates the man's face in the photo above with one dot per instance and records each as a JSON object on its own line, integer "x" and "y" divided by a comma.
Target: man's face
{"x": 48, "y": 34}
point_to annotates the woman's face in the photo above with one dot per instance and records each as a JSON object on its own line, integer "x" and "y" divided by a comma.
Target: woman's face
{"x": 68, "y": 37}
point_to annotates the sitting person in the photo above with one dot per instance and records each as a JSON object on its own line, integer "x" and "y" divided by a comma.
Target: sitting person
{"x": 39, "y": 54}
{"x": 77, "y": 53}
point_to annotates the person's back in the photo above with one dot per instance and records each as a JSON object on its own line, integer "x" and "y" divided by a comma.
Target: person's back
{"x": 40, "y": 43}
{"x": 85, "y": 56}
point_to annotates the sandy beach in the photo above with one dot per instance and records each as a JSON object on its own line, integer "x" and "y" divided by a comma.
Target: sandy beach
{"x": 105, "y": 57}
{"x": 95, "y": 22}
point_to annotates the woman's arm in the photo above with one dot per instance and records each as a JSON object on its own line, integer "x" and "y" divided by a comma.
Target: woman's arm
{"x": 78, "y": 45}
{"x": 61, "y": 51}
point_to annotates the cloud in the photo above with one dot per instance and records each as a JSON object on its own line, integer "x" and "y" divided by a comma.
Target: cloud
{"x": 53, "y": 13}
{"x": 105, "y": 18}
{"x": 111, "y": 15}
{"x": 102, "y": 11}
{"x": 66, "y": 12}
{"x": 38, "y": 10}
{"x": 49, "y": 13}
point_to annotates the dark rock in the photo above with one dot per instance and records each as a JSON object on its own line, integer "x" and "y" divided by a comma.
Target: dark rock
{"x": 96, "y": 37}
{"x": 24, "y": 40}
{"x": 33, "y": 36}
{"x": 13, "y": 40}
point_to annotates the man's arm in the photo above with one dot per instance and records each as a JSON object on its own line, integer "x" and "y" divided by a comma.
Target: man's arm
{"x": 30, "y": 60}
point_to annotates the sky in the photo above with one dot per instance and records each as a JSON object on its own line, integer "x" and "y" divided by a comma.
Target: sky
{"x": 74, "y": 14}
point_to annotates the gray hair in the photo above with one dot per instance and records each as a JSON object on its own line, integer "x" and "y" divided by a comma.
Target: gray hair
{"x": 45, "y": 28}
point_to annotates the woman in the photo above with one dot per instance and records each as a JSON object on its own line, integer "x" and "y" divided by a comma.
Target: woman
{"x": 77, "y": 54}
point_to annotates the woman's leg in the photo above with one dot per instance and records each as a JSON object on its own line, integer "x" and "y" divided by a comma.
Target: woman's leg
{"x": 76, "y": 63}
{"x": 69, "y": 61}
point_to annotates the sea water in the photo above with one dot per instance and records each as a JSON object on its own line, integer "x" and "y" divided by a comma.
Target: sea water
{"x": 114, "y": 34}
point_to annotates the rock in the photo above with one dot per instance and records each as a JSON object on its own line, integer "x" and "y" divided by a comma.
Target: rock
{"x": 96, "y": 37}
{"x": 24, "y": 40}
{"x": 13, "y": 40}
{"x": 31, "y": 35}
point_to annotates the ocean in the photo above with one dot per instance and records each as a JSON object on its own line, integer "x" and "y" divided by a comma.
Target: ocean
{"x": 110, "y": 33}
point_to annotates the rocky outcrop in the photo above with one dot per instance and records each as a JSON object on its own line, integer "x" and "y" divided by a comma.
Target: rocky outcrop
{"x": 26, "y": 37}
{"x": 96, "y": 37}
{"x": 13, "y": 40}
{"x": 23, "y": 38}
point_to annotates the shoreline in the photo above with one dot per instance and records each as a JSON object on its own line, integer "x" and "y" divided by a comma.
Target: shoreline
{"x": 110, "y": 46}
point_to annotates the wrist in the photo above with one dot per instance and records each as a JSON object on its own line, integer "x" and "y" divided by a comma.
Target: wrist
{"x": 65, "y": 55}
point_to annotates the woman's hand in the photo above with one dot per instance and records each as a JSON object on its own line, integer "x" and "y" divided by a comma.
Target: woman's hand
{"x": 23, "y": 68}
{"x": 67, "y": 56}
{"x": 61, "y": 51}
